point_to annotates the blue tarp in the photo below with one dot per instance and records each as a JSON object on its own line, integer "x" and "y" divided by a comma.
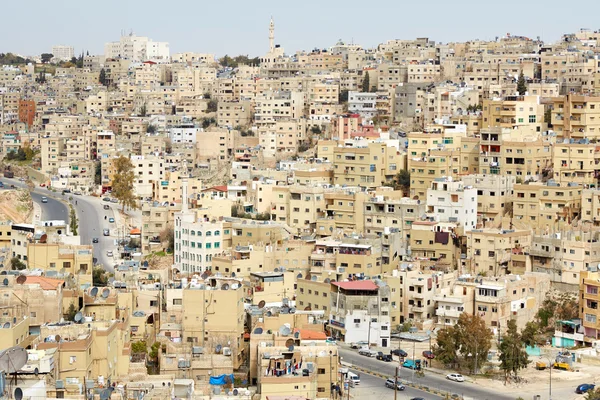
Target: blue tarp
{"x": 221, "y": 379}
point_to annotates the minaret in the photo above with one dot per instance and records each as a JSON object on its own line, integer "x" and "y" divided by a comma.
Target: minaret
{"x": 271, "y": 36}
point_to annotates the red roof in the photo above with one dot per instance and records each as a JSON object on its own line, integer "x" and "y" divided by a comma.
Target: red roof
{"x": 307, "y": 334}
{"x": 45, "y": 283}
{"x": 357, "y": 285}
{"x": 222, "y": 188}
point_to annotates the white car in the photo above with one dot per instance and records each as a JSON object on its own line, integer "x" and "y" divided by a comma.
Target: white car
{"x": 455, "y": 377}
{"x": 367, "y": 352}
{"x": 109, "y": 253}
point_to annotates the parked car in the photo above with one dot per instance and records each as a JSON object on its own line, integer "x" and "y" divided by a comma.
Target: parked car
{"x": 384, "y": 357}
{"x": 44, "y": 199}
{"x": 65, "y": 191}
{"x": 455, "y": 377}
{"x": 109, "y": 253}
{"x": 106, "y": 232}
{"x": 21, "y": 179}
{"x": 114, "y": 201}
{"x": 95, "y": 240}
{"x": 399, "y": 353}
{"x": 392, "y": 382}
{"x": 412, "y": 364}
{"x": 1, "y": 185}
{"x": 358, "y": 345}
{"x": 367, "y": 352}
{"x": 106, "y": 207}
{"x": 77, "y": 193}
{"x": 428, "y": 354}
{"x": 106, "y": 199}
{"x": 417, "y": 398}
{"x": 111, "y": 220}
{"x": 42, "y": 184}
{"x": 584, "y": 388}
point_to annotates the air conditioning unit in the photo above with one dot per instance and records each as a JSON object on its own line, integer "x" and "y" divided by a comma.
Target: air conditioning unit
{"x": 357, "y": 325}
{"x": 341, "y": 270}
{"x": 226, "y": 351}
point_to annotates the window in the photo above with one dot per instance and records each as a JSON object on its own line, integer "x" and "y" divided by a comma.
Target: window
{"x": 590, "y": 318}
{"x": 72, "y": 359}
{"x": 177, "y": 302}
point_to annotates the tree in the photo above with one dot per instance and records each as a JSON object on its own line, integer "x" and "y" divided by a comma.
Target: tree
{"x": 212, "y": 106}
{"x": 42, "y": 77}
{"x": 167, "y": 236}
{"x": 593, "y": 394}
{"x": 343, "y": 96}
{"x": 46, "y": 57}
{"x": 529, "y": 334}
{"x": 474, "y": 340}
{"x": 513, "y": 356}
{"x": 122, "y": 183}
{"x": 99, "y": 277}
{"x": 102, "y": 78}
{"x": 98, "y": 173}
{"x": 315, "y": 130}
{"x": 73, "y": 223}
{"x": 446, "y": 349}
{"x": 521, "y": 84}
{"x": 143, "y": 110}
{"x": 16, "y": 264}
{"x": 71, "y": 312}
{"x": 403, "y": 179}
{"x": 365, "y": 83}
{"x": 139, "y": 347}
{"x": 151, "y": 129}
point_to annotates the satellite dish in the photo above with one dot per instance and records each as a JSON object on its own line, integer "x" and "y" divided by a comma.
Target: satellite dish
{"x": 235, "y": 392}
{"x": 234, "y": 286}
{"x": 299, "y": 276}
{"x": 204, "y": 275}
{"x": 13, "y": 359}
{"x": 21, "y": 279}
{"x": 6, "y": 325}
{"x": 276, "y": 270}
{"x": 269, "y": 313}
{"x": 5, "y": 281}
{"x": 327, "y": 280}
{"x": 258, "y": 331}
{"x": 225, "y": 286}
{"x": 307, "y": 308}
{"x": 218, "y": 348}
{"x": 18, "y": 393}
{"x": 291, "y": 348}
{"x": 261, "y": 304}
{"x": 285, "y": 301}
{"x": 94, "y": 292}
{"x": 287, "y": 331}
{"x": 78, "y": 317}
{"x": 57, "y": 338}
{"x": 105, "y": 394}
{"x": 293, "y": 310}
{"x": 105, "y": 292}
{"x": 44, "y": 238}
{"x": 289, "y": 342}
{"x": 297, "y": 335}
{"x": 283, "y": 329}
{"x": 233, "y": 274}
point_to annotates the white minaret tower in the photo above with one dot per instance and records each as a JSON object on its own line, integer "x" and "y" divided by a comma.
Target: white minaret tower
{"x": 272, "y": 36}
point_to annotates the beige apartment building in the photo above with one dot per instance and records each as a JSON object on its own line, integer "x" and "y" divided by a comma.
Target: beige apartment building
{"x": 514, "y": 111}
{"x": 434, "y": 244}
{"x": 513, "y": 152}
{"x": 389, "y": 210}
{"x": 493, "y": 192}
{"x": 589, "y": 287}
{"x": 368, "y": 166}
{"x": 62, "y": 259}
{"x": 496, "y": 252}
{"x": 343, "y": 212}
{"x": 234, "y": 114}
{"x": 576, "y": 161}
{"x": 547, "y": 207}
{"x": 576, "y": 116}
{"x": 565, "y": 255}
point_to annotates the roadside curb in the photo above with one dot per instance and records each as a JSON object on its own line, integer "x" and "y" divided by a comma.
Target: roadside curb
{"x": 405, "y": 383}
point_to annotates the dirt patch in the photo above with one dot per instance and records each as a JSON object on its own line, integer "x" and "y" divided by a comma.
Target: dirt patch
{"x": 16, "y": 206}
{"x": 159, "y": 262}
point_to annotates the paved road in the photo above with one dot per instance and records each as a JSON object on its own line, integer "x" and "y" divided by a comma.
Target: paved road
{"x": 372, "y": 387}
{"x": 430, "y": 379}
{"x": 90, "y": 214}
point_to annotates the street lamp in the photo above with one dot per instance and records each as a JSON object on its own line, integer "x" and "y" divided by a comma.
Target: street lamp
{"x": 550, "y": 380}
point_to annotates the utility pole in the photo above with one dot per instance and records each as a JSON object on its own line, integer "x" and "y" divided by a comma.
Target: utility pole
{"x": 369, "y": 334}
{"x": 396, "y": 383}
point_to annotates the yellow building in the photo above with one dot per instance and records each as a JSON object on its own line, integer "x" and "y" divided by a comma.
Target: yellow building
{"x": 589, "y": 288}
{"x": 362, "y": 166}
{"x": 547, "y": 207}
{"x": 63, "y": 259}
{"x": 497, "y": 252}
{"x": 512, "y": 112}
{"x": 575, "y": 162}
{"x": 576, "y": 116}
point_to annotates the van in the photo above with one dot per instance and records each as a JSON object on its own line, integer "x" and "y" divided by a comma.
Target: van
{"x": 353, "y": 378}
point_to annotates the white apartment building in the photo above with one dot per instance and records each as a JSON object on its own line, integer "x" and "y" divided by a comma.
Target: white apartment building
{"x": 148, "y": 170}
{"x": 137, "y": 48}
{"x": 363, "y": 104}
{"x": 452, "y": 201}
{"x": 63, "y": 53}
{"x": 185, "y": 132}
{"x": 197, "y": 240}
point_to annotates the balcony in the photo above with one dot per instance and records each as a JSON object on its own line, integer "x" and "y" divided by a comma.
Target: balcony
{"x": 573, "y": 336}
{"x": 417, "y": 309}
{"x": 442, "y": 312}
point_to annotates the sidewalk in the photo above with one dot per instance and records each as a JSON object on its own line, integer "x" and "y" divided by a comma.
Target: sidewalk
{"x": 37, "y": 213}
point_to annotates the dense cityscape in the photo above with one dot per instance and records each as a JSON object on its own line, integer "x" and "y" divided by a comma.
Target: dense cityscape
{"x": 415, "y": 220}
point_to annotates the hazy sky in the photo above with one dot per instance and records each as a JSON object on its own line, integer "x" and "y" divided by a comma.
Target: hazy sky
{"x": 241, "y": 27}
